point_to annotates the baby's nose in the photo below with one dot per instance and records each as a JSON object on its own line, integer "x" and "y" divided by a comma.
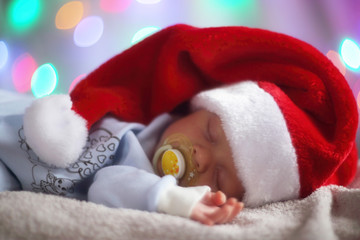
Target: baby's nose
{"x": 201, "y": 158}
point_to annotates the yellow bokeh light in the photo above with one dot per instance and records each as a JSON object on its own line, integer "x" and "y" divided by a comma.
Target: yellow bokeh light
{"x": 69, "y": 15}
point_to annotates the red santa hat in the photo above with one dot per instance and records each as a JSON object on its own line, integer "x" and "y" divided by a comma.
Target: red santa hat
{"x": 268, "y": 162}
{"x": 296, "y": 89}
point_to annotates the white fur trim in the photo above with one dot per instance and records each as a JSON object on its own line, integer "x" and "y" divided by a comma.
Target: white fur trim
{"x": 55, "y": 132}
{"x": 264, "y": 156}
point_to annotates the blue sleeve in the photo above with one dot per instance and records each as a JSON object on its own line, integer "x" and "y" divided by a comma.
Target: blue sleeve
{"x": 128, "y": 187}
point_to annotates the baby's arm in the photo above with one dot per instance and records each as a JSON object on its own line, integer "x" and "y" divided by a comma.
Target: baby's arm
{"x": 214, "y": 208}
{"x": 129, "y": 187}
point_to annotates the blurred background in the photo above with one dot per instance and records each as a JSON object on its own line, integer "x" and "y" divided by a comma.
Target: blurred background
{"x": 47, "y": 46}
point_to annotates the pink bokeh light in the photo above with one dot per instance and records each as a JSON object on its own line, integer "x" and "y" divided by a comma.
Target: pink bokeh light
{"x": 76, "y": 81}
{"x": 114, "y": 6}
{"x": 335, "y": 58}
{"x": 22, "y": 71}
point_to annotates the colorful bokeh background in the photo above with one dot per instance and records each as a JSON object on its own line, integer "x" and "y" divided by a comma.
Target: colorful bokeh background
{"x": 47, "y": 46}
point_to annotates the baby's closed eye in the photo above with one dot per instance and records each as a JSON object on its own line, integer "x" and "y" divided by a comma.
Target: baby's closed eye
{"x": 212, "y": 129}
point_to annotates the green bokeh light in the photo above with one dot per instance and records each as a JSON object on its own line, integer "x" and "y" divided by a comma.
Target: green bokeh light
{"x": 234, "y": 4}
{"x": 143, "y": 33}
{"x": 24, "y": 14}
{"x": 44, "y": 80}
{"x": 350, "y": 53}
{"x": 227, "y": 12}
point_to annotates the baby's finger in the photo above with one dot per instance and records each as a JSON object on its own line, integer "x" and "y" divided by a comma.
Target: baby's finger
{"x": 218, "y": 198}
{"x": 234, "y": 208}
{"x": 221, "y": 214}
{"x": 237, "y": 207}
{"x": 227, "y": 212}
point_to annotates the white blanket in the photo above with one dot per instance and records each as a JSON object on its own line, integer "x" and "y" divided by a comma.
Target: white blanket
{"x": 330, "y": 213}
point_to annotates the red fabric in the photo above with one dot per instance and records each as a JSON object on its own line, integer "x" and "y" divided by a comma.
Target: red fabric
{"x": 324, "y": 156}
{"x": 174, "y": 64}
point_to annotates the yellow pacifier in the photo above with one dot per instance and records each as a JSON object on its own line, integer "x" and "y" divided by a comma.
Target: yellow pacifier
{"x": 172, "y": 162}
{"x": 174, "y": 157}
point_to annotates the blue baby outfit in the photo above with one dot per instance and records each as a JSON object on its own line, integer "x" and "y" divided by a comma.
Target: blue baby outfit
{"x": 111, "y": 142}
{"x": 114, "y": 168}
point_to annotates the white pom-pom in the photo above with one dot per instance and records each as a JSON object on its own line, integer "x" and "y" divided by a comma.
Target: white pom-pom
{"x": 55, "y": 132}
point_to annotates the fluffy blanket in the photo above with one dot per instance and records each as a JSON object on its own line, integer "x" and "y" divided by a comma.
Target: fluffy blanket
{"x": 331, "y": 212}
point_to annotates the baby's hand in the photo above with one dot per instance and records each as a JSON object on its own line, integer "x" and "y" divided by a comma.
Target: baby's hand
{"x": 215, "y": 209}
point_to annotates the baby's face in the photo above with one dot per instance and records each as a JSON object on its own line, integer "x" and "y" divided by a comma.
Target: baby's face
{"x": 212, "y": 153}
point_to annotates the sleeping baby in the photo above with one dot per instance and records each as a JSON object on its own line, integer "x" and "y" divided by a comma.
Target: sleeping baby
{"x": 265, "y": 122}
{"x": 197, "y": 180}
{"x": 196, "y": 166}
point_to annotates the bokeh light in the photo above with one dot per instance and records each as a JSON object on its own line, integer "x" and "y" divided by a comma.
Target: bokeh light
{"x": 3, "y": 54}
{"x": 22, "y": 71}
{"x": 114, "y": 6}
{"x": 336, "y": 60}
{"x": 148, "y": 1}
{"x": 23, "y": 14}
{"x": 350, "y": 53}
{"x": 231, "y": 4}
{"x": 88, "y": 31}
{"x": 76, "y": 81}
{"x": 44, "y": 80}
{"x": 143, "y": 33}
{"x": 69, "y": 15}
{"x": 358, "y": 100}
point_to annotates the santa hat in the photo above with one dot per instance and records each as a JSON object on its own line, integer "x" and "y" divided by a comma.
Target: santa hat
{"x": 267, "y": 161}
{"x": 170, "y": 67}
